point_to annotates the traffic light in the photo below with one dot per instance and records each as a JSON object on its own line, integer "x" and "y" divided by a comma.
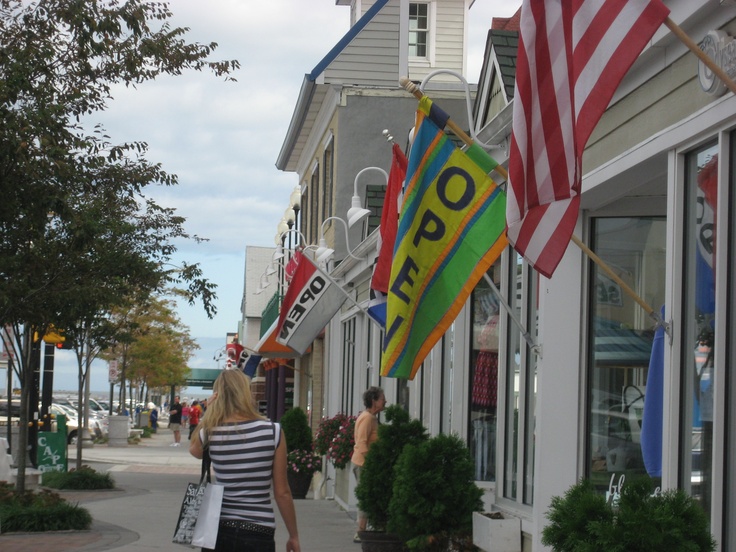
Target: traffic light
{"x": 64, "y": 344}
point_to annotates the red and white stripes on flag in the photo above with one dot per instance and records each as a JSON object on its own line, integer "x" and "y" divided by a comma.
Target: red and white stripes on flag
{"x": 572, "y": 56}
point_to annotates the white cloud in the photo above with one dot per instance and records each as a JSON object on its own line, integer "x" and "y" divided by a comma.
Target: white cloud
{"x": 222, "y": 138}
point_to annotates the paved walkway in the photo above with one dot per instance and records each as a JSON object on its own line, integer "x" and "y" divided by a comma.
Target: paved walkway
{"x": 140, "y": 514}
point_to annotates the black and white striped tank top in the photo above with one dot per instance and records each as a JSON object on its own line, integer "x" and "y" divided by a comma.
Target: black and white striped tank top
{"x": 242, "y": 461}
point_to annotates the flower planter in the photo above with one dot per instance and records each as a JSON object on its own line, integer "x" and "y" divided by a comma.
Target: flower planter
{"x": 299, "y": 483}
{"x": 496, "y": 534}
{"x": 380, "y": 541}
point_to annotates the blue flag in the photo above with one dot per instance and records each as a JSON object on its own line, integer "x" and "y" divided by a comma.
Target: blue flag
{"x": 251, "y": 365}
{"x": 651, "y": 427}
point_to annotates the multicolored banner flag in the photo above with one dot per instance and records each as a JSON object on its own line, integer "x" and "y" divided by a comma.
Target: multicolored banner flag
{"x": 450, "y": 232}
{"x": 387, "y": 237}
{"x": 572, "y": 57}
{"x": 310, "y": 302}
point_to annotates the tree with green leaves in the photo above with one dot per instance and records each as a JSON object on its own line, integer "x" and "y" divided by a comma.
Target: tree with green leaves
{"x": 160, "y": 349}
{"x": 77, "y": 232}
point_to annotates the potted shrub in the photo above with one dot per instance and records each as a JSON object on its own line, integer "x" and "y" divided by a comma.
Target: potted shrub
{"x": 300, "y": 451}
{"x": 300, "y": 468}
{"x": 640, "y": 519}
{"x": 375, "y": 488}
{"x": 296, "y": 429}
{"x": 434, "y": 495}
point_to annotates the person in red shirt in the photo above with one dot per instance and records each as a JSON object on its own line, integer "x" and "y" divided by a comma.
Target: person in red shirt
{"x": 195, "y": 413}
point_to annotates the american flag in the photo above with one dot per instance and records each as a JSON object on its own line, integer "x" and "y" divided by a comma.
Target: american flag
{"x": 572, "y": 57}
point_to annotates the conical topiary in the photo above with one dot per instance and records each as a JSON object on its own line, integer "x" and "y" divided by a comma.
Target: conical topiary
{"x": 296, "y": 430}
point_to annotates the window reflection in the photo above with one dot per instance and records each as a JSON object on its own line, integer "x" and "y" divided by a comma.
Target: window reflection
{"x": 621, "y": 336}
{"x": 484, "y": 379}
{"x": 698, "y": 367}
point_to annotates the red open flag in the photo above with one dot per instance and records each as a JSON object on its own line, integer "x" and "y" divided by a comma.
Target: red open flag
{"x": 572, "y": 57}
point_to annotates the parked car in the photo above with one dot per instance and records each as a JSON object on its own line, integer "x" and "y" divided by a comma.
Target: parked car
{"x": 97, "y": 425}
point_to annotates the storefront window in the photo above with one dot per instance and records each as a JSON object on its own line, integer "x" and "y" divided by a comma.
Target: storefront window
{"x": 484, "y": 377}
{"x": 513, "y": 378}
{"x": 620, "y": 343}
{"x": 531, "y": 390}
{"x": 348, "y": 365}
{"x": 729, "y": 510}
{"x": 696, "y": 472}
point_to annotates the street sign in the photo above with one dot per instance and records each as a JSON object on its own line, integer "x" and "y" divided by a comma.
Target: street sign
{"x": 113, "y": 372}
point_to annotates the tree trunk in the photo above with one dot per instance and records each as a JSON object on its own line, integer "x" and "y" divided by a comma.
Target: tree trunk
{"x": 25, "y": 395}
{"x": 80, "y": 413}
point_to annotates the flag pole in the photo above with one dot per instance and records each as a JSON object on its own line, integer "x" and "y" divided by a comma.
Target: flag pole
{"x": 345, "y": 293}
{"x": 414, "y": 89}
{"x": 524, "y": 333}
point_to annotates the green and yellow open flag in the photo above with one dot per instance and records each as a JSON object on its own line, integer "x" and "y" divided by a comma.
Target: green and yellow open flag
{"x": 451, "y": 230}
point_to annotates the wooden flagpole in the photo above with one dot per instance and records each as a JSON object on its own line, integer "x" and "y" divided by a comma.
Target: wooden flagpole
{"x": 414, "y": 89}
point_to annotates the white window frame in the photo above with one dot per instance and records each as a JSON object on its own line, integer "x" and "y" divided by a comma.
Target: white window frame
{"x": 429, "y": 59}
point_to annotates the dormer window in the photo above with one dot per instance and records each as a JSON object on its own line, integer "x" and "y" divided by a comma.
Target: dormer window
{"x": 418, "y": 29}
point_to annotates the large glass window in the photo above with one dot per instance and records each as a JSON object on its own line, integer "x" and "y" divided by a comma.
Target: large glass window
{"x": 530, "y": 406}
{"x": 314, "y": 216}
{"x": 329, "y": 169}
{"x": 620, "y": 342}
{"x": 729, "y": 510}
{"x": 484, "y": 376}
{"x": 348, "y": 365}
{"x": 520, "y": 371}
{"x": 696, "y": 472}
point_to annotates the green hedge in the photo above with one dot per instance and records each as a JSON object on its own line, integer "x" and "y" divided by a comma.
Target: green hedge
{"x": 84, "y": 478}
{"x": 31, "y": 511}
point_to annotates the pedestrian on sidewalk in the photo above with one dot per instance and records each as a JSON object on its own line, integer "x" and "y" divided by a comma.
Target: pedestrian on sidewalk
{"x": 153, "y": 417}
{"x": 195, "y": 413}
{"x": 185, "y": 408}
{"x": 248, "y": 455}
{"x": 175, "y": 421}
{"x": 365, "y": 434}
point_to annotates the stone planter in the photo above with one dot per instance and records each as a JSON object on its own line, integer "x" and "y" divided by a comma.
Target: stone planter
{"x": 497, "y": 534}
{"x": 299, "y": 483}
{"x": 117, "y": 431}
{"x": 380, "y": 541}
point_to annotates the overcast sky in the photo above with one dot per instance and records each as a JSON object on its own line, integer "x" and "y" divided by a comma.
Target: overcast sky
{"x": 222, "y": 138}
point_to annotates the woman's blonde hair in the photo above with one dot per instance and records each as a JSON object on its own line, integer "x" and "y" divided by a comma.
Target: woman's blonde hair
{"x": 233, "y": 399}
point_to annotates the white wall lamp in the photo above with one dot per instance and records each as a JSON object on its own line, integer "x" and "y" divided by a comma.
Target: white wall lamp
{"x": 357, "y": 213}
{"x": 324, "y": 252}
{"x": 264, "y": 283}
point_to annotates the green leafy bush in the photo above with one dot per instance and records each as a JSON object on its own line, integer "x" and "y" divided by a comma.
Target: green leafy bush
{"x": 296, "y": 430}
{"x": 84, "y": 478}
{"x": 434, "y": 493}
{"x": 639, "y": 521}
{"x": 375, "y": 488}
{"x": 31, "y": 511}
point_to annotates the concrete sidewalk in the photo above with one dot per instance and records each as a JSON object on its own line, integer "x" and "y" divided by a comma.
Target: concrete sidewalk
{"x": 140, "y": 515}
